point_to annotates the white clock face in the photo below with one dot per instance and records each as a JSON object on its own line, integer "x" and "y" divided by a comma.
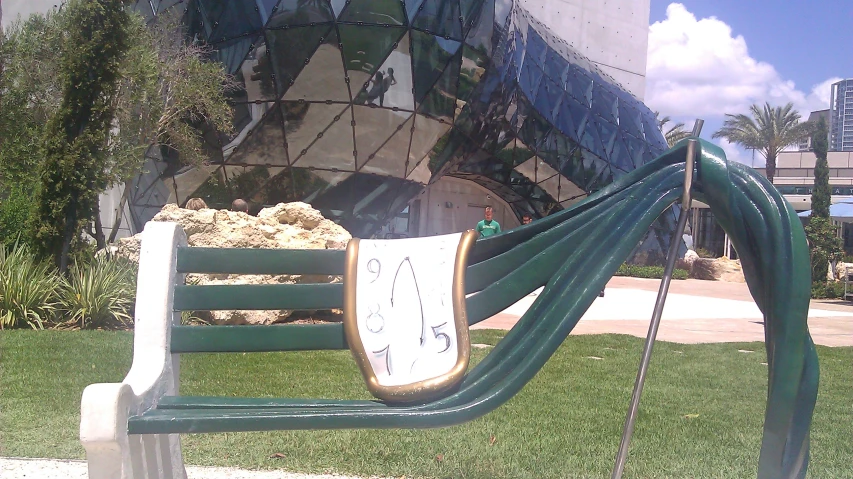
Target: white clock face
{"x": 404, "y": 307}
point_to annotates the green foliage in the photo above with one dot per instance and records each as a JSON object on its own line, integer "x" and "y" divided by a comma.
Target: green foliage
{"x": 15, "y": 210}
{"x": 673, "y": 134}
{"x": 27, "y": 289}
{"x": 703, "y": 253}
{"x": 654, "y": 272}
{"x": 827, "y": 289}
{"x": 825, "y": 245}
{"x": 769, "y": 131}
{"x": 821, "y": 194}
{"x": 73, "y": 172}
{"x": 98, "y": 295}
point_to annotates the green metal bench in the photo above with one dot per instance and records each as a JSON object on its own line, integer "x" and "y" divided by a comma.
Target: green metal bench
{"x": 130, "y": 430}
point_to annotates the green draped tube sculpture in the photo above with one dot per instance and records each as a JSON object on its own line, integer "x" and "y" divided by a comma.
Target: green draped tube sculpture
{"x": 574, "y": 253}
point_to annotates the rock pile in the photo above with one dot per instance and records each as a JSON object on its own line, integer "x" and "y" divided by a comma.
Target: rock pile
{"x": 284, "y": 226}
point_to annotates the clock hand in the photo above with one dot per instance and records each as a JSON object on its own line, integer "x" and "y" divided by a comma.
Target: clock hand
{"x": 417, "y": 290}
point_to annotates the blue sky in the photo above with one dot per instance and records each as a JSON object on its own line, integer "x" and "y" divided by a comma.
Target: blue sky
{"x": 708, "y": 58}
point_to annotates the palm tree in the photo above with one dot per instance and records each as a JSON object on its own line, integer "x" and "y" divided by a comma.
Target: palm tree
{"x": 674, "y": 134}
{"x": 770, "y": 130}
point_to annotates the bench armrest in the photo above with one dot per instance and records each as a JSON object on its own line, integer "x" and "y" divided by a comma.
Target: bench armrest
{"x": 153, "y": 374}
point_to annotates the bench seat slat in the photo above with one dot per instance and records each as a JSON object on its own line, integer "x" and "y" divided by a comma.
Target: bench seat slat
{"x": 260, "y": 261}
{"x": 219, "y": 402}
{"x": 259, "y": 297}
{"x": 190, "y": 421}
{"x": 239, "y": 339}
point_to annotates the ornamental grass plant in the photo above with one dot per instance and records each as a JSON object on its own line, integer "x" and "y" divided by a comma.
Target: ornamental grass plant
{"x": 98, "y": 295}
{"x": 27, "y": 288}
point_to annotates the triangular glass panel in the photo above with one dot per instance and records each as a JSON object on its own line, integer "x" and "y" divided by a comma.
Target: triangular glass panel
{"x": 293, "y": 13}
{"x": 580, "y": 115}
{"x": 381, "y": 12}
{"x": 529, "y": 79}
{"x": 373, "y": 126}
{"x": 536, "y": 48}
{"x": 636, "y": 148}
{"x": 556, "y": 67}
{"x": 548, "y": 98}
{"x": 441, "y": 18}
{"x": 291, "y": 49}
{"x": 240, "y": 18}
{"x": 387, "y": 84}
{"x": 620, "y": 158}
{"x": 591, "y": 139}
{"x": 203, "y": 15}
{"x": 579, "y": 85}
{"x": 430, "y": 56}
{"x": 629, "y": 120}
{"x": 303, "y": 121}
{"x": 412, "y": 8}
{"x": 256, "y": 72}
{"x": 338, "y": 6}
{"x": 426, "y": 138}
{"x": 332, "y": 148}
{"x": 264, "y": 144}
{"x": 390, "y": 158}
{"x": 607, "y": 133}
{"x": 653, "y": 135}
{"x": 440, "y": 102}
{"x": 322, "y": 79}
{"x": 604, "y": 104}
{"x": 232, "y": 53}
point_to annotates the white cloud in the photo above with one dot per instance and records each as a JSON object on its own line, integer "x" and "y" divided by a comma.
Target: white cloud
{"x": 697, "y": 68}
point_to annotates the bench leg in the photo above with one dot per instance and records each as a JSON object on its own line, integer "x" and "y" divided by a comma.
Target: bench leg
{"x": 110, "y": 452}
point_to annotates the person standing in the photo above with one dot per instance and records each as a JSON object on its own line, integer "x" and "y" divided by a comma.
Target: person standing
{"x": 488, "y": 227}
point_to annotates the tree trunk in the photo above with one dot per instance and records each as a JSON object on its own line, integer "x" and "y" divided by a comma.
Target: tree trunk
{"x": 771, "y": 167}
{"x": 99, "y": 228}
{"x": 120, "y": 211}
{"x": 68, "y": 236}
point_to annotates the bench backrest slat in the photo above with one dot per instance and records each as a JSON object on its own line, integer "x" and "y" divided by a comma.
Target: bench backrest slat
{"x": 261, "y": 261}
{"x": 236, "y": 339}
{"x": 259, "y": 297}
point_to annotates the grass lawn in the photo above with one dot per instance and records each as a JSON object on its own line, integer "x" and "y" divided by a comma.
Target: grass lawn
{"x": 700, "y": 416}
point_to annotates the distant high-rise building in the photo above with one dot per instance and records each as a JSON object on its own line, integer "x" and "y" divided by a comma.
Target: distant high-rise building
{"x": 814, "y": 117}
{"x": 841, "y": 116}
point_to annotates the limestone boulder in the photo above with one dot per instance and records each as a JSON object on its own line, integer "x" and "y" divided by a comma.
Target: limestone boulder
{"x": 283, "y": 226}
{"x": 717, "y": 269}
{"x": 839, "y": 271}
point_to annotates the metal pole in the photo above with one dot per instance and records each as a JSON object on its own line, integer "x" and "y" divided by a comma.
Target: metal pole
{"x": 622, "y": 455}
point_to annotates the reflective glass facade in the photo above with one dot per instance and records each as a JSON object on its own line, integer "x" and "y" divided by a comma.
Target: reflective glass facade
{"x": 355, "y": 105}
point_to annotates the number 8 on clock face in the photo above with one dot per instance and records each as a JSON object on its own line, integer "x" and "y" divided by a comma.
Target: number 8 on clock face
{"x": 404, "y": 313}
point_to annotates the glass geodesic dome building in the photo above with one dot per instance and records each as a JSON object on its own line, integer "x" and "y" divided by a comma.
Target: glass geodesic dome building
{"x": 355, "y": 105}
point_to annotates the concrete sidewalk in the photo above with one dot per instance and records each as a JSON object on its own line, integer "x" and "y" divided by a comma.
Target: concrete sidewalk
{"x": 695, "y": 312}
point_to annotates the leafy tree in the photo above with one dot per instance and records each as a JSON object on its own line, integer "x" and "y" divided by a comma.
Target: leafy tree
{"x": 769, "y": 130}
{"x": 674, "y": 134}
{"x": 823, "y": 241}
{"x": 164, "y": 92}
{"x": 821, "y": 194}
{"x": 72, "y": 174}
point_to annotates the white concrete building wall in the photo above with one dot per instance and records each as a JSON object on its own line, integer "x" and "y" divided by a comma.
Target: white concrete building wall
{"x": 612, "y": 33}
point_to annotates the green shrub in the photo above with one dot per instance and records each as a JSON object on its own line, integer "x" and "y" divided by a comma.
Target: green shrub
{"x": 653, "y": 272}
{"x": 827, "y": 290}
{"x": 98, "y": 295}
{"x": 15, "y": 208}
{"x": 27, "y": 288}
{"x": 703, "y": 253}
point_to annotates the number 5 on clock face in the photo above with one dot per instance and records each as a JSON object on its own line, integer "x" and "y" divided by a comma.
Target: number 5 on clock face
{"x": 404, "y": 313}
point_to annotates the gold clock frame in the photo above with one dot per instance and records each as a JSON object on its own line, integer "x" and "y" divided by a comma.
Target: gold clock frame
{"x": 429, "y": 388}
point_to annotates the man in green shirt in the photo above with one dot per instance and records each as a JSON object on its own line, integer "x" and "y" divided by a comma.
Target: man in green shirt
{"x": 488, "y": 226}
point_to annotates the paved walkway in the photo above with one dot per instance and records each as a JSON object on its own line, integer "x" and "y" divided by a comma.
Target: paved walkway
{"x": 695, "y": 312}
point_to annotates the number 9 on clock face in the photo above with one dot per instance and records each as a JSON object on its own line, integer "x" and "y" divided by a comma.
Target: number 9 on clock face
{"x": 404, "y": 313}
